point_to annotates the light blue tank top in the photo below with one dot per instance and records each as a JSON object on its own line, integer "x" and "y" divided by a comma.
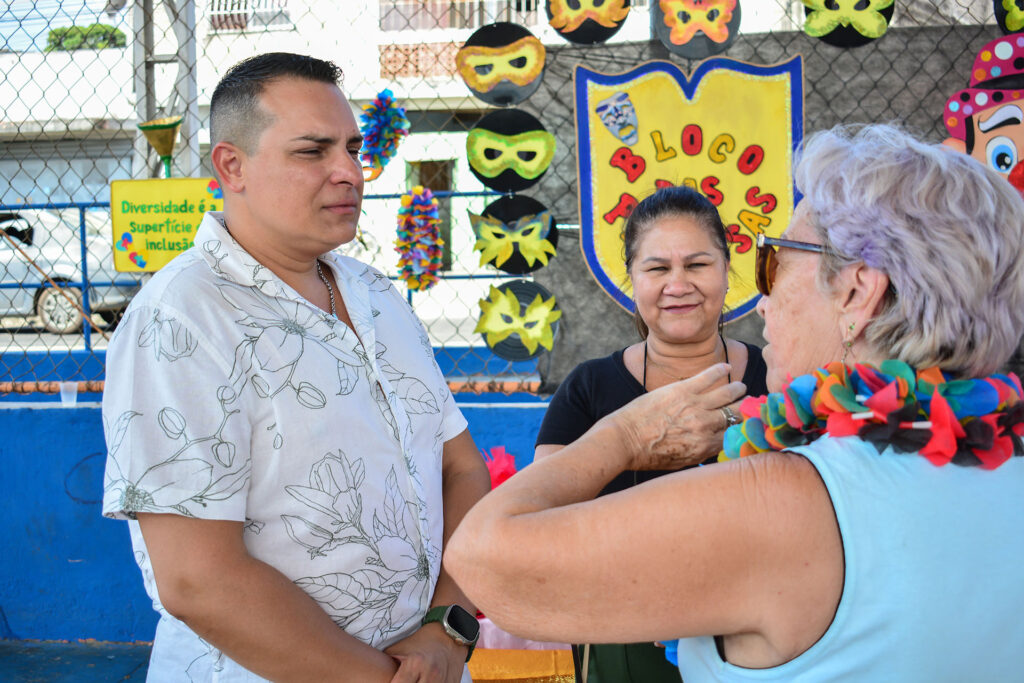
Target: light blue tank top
{"x": 934, "y": 584}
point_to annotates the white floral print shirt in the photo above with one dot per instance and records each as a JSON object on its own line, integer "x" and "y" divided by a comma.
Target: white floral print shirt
{"x": 230, "y": 397}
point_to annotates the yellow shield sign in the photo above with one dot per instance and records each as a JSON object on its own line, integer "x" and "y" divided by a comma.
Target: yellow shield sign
{"x": 729, "y": 131}
{"x": 155, "y": 220}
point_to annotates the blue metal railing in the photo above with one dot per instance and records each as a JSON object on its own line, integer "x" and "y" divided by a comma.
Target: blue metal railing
{"x": 84, "y": 284}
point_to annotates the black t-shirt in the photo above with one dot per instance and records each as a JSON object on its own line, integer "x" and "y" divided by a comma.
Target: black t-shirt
{"x": 601, "y": 386}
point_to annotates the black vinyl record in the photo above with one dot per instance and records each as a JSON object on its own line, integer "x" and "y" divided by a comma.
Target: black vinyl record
{"x": 848, "y": 27}
{"x": 515, "y": 234}
{"x": 696, "y": 29}
{"x": 518, "y": 320}
{"x": 586, "y": 21}
{"x": 501, "y": 63}
{"x": 1009, "y": 15}
{"x": 509, "y": 150}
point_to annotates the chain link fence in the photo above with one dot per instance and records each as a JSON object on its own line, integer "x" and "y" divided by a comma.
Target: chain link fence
{"x": 78, "y": 75}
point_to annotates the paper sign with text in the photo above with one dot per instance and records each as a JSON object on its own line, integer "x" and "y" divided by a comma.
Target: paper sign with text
{"x": 729, "y": 131}
{"x": 155, "y": 220}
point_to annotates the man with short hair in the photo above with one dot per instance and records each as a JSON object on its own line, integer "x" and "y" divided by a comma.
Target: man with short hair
{"x": 277, "y": 425}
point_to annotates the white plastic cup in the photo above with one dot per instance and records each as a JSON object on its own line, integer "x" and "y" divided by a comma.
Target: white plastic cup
{"x": 68, "y": 393}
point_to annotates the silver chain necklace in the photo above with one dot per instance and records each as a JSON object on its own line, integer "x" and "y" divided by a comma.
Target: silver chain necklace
{"x": 330, "y": 290}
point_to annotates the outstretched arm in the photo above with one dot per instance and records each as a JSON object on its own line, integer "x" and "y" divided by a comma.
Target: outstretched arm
{"x": 724, "y": 549}
{"x": 248, "y": 609}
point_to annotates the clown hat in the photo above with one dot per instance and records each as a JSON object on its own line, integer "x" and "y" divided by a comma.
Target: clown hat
{"x": 996, "y": 78}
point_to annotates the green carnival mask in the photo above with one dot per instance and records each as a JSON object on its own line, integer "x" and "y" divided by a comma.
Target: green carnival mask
{"x": 527, "y": 154}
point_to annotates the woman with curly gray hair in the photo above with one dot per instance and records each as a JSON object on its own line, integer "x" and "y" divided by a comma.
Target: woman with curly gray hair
{"x": 864, "y": 523}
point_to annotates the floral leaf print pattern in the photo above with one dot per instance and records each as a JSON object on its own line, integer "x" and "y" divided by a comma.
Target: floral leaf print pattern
{"x": 269, "y": 355}
{"x": 214, "y": 248}
{"x": 333, "y": 492}
{"x": 414, "y": 394}
{"x": 179, "y": 481}
{"x": 169, "y": 339}
{"x": 360, "y": 602}
{"x": 385, "y": 410}
{"x": 375, "y": 280}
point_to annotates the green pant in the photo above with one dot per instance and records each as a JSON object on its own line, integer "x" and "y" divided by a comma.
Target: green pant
{"x": 632, "y": 663}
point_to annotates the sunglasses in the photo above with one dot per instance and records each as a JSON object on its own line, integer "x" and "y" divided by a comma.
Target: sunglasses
{"x": 766, "y": 260}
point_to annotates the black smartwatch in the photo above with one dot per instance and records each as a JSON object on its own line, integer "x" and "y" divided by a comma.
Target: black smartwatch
{"x": 458, "y": 623}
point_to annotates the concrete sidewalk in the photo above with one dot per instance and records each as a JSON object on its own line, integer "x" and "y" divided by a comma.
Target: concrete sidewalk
{"x": 34, "y": 661}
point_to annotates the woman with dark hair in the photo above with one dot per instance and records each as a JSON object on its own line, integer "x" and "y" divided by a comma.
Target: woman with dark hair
{"x": 677, "y": 258}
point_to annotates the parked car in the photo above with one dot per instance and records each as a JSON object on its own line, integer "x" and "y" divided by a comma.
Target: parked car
{"x": 52, "y": 240}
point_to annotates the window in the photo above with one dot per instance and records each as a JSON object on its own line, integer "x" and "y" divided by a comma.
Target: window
{"x": 242, "y": 15}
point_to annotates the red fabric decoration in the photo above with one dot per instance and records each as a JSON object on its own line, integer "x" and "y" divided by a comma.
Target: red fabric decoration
{"x": 500, "y": 463}
{"x": 945, "y": 431}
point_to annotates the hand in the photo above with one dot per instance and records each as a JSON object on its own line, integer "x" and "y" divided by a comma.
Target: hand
{"x": 678, "y": 425}
{"x": 429, "y": 656}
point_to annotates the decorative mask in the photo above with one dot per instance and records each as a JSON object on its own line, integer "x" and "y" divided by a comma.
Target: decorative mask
{"x": 509, "y": 150}
{"x": 515, "y": 326}
{"x": 618, "y": 115}
{"x": 1009, "y": 15}
{"x": 497, "y": 241}
{"x": 587, "y": 21}
{"x": 847, "y": 23}
{"x": 697, "y": 28}
{"x": 501, "y": 63}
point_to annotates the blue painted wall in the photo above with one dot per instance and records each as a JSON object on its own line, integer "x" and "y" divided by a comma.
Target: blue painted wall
{"x": 66, "y": 572}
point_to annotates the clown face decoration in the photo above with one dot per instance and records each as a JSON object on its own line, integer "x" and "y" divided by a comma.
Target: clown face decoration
{"x": 618, "y": 116}
{"x": 986, "y": 119}
{"x": 515, "y": 234}
{"x": 509, "y": 150}
{"x": 502, "y": 63}
{"x": 586, "y": 21}
{"x": 518, "y": 319}
{"x": 696, "y": 29}
{"x": 847, "y": 23}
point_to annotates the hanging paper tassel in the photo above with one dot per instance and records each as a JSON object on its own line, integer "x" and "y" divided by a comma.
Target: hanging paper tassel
{"x": 500, "y": 463}
{"x": 418, "y": 243}
{"x": 383, "y": 125}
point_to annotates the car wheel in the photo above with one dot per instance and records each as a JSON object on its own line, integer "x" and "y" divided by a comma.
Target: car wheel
{"x": 112, "y": 318}
{"x": 56, "y": 313}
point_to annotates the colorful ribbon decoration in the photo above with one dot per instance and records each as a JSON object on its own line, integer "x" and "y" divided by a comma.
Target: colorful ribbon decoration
{"x": 969, "y": 422}
{"x": 383, "y": 124}
{"x": 418, "y": 243}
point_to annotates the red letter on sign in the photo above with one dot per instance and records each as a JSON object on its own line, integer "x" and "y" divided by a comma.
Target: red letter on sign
{"x": 632, "y": 164}
{"x": 751, "y": 158}
{"x": 709, "y": 186}
{"x": 627, "y": 203}
{"x": 767, "y": 202}
{"x": 693, "y": 139}
{"x": 734, "y": 236}
{"x": 659, "y": 184}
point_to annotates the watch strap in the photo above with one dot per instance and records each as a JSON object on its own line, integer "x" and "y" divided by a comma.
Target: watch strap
{"x": 440, "y": 614}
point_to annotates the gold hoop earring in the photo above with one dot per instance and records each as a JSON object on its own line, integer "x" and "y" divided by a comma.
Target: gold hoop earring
{"x": 848, "y": 344}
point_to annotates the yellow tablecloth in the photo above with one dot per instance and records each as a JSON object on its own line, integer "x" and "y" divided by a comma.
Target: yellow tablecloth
{"x": 521, "y": 666}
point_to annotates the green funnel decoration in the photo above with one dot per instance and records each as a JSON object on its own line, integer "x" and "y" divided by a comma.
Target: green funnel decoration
{"x": 162, "y": 134}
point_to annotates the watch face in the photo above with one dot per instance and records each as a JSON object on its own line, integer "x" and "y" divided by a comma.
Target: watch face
{"x": 463, "y": 623}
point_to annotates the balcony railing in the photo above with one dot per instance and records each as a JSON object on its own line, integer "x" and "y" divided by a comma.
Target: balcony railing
{"x": 418, "y": 15}
{"x": 249, "y": 15}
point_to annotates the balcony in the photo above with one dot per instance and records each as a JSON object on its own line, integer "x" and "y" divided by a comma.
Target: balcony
{"x": 420, "y": 15}
{"x": 249, "y": 15}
